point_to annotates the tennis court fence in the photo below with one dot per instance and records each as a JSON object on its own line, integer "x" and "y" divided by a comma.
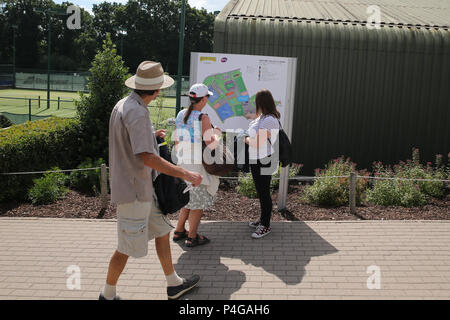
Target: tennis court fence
{"x": 73, "y": 81}
{"x": 20, "y": 110}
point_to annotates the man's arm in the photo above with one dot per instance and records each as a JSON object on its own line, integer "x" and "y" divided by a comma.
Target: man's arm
{"x": 159, "y": 164}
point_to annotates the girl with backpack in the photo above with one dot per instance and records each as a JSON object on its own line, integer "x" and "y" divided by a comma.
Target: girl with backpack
{"x": 261, "y": 155}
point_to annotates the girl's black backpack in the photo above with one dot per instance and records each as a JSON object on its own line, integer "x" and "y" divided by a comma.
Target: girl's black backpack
{"x": 285, "y": 147}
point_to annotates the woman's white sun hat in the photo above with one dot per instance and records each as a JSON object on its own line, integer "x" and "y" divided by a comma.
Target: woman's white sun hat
{"x": 149, "y": 76}
{"x": 199, "y": 90}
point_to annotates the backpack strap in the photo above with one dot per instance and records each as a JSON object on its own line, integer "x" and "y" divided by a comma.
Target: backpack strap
{"x": 281, "y": 128}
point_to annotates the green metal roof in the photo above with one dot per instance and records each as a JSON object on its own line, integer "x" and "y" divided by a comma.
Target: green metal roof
{"x": 368, "y": 93}
{"x": 433, "y": 13}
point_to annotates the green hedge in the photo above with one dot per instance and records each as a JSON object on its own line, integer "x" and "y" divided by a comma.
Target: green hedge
{"x": 36, "y": 146}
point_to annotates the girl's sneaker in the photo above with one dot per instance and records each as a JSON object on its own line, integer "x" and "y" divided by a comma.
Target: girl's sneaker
{"x": 261, "y": 231}
{"x": 254, "y": 224}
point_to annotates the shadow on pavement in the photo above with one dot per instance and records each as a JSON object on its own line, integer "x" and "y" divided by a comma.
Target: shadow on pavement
{"x": 283, "y": 253}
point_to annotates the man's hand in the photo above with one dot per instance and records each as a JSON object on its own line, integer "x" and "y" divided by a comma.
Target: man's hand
{"x": 194, "y": 178}
{"x": 160, "y": 133}
{"x": 159, "y": 164}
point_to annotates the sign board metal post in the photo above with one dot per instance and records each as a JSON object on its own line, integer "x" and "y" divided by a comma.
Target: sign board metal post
{"x": 287, "y": 126}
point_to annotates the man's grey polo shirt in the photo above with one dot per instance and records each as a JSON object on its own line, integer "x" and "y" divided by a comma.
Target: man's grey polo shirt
{"x": 130, "y": 133}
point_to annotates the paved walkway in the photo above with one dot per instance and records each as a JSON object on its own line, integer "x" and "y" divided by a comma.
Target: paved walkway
{"x": 299, "y": 260}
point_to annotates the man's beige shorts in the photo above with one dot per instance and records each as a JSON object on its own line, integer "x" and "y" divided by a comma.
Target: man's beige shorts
{"x": 137, "y": 223}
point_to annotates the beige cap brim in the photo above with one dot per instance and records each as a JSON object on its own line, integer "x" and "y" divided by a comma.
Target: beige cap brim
{"x": 131, "y": 83}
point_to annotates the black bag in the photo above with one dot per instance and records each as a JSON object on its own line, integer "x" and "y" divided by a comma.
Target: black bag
{"x": 285, "y": 147}
{"x": 168, "y": 189}
{"x": 218, "y": 169}
{"x": 241, "y": 155}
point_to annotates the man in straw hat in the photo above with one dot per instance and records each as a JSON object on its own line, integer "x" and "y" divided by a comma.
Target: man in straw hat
{"x": 134, "y": 162}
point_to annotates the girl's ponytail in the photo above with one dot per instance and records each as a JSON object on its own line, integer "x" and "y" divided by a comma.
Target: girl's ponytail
{"x": 191, "y": 107}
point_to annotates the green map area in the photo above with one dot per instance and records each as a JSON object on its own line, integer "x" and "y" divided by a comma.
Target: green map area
{"x": 230, "y": 96}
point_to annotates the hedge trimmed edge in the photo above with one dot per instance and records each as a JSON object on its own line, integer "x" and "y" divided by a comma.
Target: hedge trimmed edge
{"x": 36, "y": 146}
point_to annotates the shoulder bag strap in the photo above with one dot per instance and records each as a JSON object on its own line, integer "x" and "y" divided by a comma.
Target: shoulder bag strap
{"x": 201, "y": 128}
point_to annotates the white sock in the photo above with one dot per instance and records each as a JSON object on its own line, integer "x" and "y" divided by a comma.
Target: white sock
{"x": 109, "y": 292}
{"x": 173, "y": 280}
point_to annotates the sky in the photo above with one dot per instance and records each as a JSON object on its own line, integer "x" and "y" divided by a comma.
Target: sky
{"x": 209, "y": 5}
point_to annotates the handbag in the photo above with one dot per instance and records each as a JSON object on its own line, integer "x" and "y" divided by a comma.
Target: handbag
{"x": 218, "y": 169}
{"x": 241, "y": 154}
{"x": 169, "y": 190}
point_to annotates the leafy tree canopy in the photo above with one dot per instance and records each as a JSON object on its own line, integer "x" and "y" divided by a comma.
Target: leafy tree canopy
{"x": 140, "y": 29}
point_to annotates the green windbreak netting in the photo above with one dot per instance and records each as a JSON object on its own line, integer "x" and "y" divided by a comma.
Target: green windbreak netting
{"x": 60, "y": 82}
{"x": 75, "y": 82}
{"x": 21, "y": 118}
{"x": 172, "y": 91}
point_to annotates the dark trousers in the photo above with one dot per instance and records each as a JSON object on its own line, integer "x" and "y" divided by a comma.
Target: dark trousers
{"x": 262, "y": 184}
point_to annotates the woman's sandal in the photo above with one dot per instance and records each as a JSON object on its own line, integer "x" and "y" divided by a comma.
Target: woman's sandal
{"x": 180, "y": 235}
{"x": 197, "y": 241}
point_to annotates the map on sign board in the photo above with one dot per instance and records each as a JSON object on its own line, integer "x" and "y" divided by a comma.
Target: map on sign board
{"x": 230, "y": 96}
{"x": 235, "y": 79}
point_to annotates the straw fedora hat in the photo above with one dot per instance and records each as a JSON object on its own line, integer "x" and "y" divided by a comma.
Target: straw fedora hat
{"x": 149, "y": 76}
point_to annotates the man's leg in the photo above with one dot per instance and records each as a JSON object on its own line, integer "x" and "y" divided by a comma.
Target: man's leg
{"x": 116, "y": 266}
{"x": 176, "y": 286}
{"x": 162, "y": 245}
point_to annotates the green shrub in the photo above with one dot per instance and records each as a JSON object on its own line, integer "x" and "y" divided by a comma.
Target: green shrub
{"x": 36, "y": 146}
{"x": 107, "y": 86}
{"x": 246, "y": 186}
{"x": 407, "y": 193}
{"x": 396, "y": 193}
{"x": 414, "y": 170}
{"x": 88, "y": 181}
{"x": 384, "y": 193}
{"x": 49, "y": 188}
{"x": 411, "y": 196}
{"x": 335, "y": 191}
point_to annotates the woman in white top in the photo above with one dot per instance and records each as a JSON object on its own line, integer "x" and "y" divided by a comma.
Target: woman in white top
{"x": 263, "y": 133}
{"x": 188, "y": 139}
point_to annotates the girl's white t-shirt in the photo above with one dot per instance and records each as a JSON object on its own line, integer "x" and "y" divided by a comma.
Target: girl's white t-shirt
{"x": 267, "y": 122}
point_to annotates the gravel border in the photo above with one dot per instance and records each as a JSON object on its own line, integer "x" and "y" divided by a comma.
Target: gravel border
{"x": 231, "y": 206}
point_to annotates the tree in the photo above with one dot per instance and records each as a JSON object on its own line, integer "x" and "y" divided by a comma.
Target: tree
{"x": 106, "y": 86}
{"x": 72, "y": 49}
{"x": 199, "y": 33}
{"x": 151, "y": 33}
{"x": 28, "y": 35}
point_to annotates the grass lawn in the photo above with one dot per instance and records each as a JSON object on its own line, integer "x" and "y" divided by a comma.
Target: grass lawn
{"x": 67, "y": 107}
{"x": 9, "y": 102}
